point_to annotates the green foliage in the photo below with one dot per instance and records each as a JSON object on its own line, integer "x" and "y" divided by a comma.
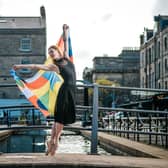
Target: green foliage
{"x": 104, "y": 92}
{"x": 107, "y": 82}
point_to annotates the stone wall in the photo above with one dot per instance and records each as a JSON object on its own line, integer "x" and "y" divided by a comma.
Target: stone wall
{"x": 11, "y": 54}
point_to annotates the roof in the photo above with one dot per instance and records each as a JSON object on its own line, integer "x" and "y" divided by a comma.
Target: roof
{"x": 21, "y": 22}
{"x": 107, "y": 58}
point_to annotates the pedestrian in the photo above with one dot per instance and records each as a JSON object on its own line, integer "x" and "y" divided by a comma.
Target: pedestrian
{"x": 65, "y": 105}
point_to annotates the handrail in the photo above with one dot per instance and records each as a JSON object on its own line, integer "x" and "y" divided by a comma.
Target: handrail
{"x": 82, "y": 128}
{"x": 104, "y": 86}
{"x": 16, "y": 107}
{"x": 95, "y": 109}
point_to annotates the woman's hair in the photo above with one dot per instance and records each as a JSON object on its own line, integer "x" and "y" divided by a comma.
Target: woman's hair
{"x": 55, "y": 47}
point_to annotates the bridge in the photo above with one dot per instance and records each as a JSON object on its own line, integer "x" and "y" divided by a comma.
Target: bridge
{"x": 124, "y": 132}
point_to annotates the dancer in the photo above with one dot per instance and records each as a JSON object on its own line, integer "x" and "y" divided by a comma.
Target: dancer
{"x": 65, "y": 105}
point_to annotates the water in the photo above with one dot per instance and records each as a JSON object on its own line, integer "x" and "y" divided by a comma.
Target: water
{"x": 35, "y": 142}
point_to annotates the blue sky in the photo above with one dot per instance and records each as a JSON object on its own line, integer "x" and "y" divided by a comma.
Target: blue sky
{"x": 97, "y": 26}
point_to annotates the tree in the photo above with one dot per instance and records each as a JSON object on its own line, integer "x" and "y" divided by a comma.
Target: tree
{"x": 104, "y": 92}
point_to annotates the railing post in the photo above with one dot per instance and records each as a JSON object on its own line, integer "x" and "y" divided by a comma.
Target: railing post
{"x": 166, "y": 143}
{"x": 128, "y": 125}
{"x": 157, "y": 129}
{"x": 135, "y": 122}
{"x": 8, "y": 118}
{"x": 94, "y": 139}
{"x": 150, "y": 129}
{"x": 33, "y": 116}
{"x": 86, "y": 103}
{"x": 137, "y": 126}
{"x": 120, "y": 124}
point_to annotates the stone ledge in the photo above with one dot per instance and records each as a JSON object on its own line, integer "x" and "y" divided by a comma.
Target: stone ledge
{"x": 5, "y": 134}
{"x": 77, "y": 161}
{"x": 132, "y": 147}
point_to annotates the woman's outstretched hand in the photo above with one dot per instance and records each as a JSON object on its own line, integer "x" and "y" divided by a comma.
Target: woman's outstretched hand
{"x": 16, "y": 67}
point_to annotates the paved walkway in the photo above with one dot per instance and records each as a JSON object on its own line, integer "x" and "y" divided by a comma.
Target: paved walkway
{"x": 78, "y": 160}
{"x": 132, "y": 147}
{"x": 89, "y": 161}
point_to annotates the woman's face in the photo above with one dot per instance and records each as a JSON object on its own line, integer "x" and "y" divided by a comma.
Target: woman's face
{"x": 54, "y": 54}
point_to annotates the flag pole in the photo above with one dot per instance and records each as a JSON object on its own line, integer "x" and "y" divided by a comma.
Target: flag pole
{"x": 65, "y": 38}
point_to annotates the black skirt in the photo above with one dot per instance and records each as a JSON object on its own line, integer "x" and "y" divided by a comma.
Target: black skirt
{"x": 65, "y": 106}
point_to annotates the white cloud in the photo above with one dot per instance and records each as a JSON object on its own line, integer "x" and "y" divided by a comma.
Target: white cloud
{"x": 160, "y": 7}
{"x": 97, "y": 26}
{"x": 106, "y": 17}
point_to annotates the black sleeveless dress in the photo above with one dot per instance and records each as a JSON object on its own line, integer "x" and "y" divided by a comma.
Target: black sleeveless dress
{"x": 65, "y": 106}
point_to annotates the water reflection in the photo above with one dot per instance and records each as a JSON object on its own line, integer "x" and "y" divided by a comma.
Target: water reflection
{"x": 24, "y": 142}
{"x": 35, "y": 142}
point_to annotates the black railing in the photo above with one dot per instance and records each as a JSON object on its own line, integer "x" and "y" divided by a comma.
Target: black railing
{"x": 152, "y": 124}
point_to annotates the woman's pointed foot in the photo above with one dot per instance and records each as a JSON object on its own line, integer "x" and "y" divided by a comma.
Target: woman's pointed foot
{"x": 54, "y": 147}
{"x": 48, "y": 148}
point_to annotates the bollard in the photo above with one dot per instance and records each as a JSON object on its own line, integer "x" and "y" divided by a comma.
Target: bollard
{"x": 94, "y": 139}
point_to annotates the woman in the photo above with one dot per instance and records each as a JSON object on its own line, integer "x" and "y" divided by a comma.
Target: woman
{"x": 65, "y": 106}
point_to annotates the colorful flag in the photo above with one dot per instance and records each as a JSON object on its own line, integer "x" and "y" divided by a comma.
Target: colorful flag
{"x": 70, "y": 49}
{"x": 42, "y": 89}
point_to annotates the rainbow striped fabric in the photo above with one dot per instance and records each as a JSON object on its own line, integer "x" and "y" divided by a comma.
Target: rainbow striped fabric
{"x": 42, "y": 89}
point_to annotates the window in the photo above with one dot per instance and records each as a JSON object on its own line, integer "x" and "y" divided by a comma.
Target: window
{"x": 25, "y": 70}
{"x": 153, "y": 54}
{"x": 159, "y": 86}
{"x": 25, "y": 61}
{"x": 147, "y": 56}
{"x": 165, "y": 43}
{"x": 153, "y": 80}
{"x": 165, "y": 84}
{"x": 25, "y": 44}
{"x": 142, "y": 59}
{"x": 158, "y": 49}
{"x": 147, "y": 81}
{"x": 166, "y": 65}
{"x": 143, "y": 82}
{"x": 159, "y": 70}
{"x": 150, "y": 59}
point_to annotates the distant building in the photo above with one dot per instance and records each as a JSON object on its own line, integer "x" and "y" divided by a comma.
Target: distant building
{"x": 123, "y": 69}
{"x": 154, "y": 55}
{"x": 22, "y": 41}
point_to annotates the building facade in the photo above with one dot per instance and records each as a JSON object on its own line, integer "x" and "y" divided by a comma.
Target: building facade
{"x": 154, "y": 55}
{"x": 123, "y": 69}
{"x": 22, "y": 41}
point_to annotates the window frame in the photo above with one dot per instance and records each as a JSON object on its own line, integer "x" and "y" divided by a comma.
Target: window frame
{"x": 24, "y": 48}
{"x": 165, "y": 41}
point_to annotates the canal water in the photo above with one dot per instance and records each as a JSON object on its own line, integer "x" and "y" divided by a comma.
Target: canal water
{"x": 35, "y": 142}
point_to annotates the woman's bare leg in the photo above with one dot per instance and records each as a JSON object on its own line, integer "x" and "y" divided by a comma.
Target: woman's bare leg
{"x": 59, "y": 128}
{"x": 55, "y": 135}
{"x": 51, "y": 141}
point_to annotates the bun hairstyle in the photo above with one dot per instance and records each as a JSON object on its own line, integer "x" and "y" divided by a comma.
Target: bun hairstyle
{"x": 55, "y": 47}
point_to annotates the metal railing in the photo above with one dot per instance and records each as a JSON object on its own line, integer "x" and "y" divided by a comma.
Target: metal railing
{"x": 115, "y": 124}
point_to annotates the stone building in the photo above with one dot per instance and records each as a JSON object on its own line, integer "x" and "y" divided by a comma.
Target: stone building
{"x": 123, "y": 69}
{"x": 154, "y": 55}
{"x": 22, "y": 41}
